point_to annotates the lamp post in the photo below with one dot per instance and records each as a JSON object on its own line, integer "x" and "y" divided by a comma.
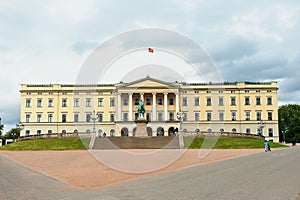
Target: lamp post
{"x": 180, "y": 116}
{"x": 94, "y": 118}
{"x": 261, "y": 125}
{"x": 20, "y": 127}
{"x": 0, "y": 127}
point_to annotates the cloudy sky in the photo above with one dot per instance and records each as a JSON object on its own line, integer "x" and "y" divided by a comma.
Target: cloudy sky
{"x": 49, "y": 41}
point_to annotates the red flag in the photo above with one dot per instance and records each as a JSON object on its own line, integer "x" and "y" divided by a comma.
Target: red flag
{"x": 150, "y": 50}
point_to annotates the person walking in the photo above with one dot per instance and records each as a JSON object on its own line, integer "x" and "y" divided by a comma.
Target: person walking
{"x": 294, "y": 141}
{"x": 267, "y": 146}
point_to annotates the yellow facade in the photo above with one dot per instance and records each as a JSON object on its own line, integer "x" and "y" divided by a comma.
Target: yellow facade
{"x": 112, "y": 109}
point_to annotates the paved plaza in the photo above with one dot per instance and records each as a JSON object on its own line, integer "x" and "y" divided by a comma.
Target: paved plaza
{"x": 238, "y": 174}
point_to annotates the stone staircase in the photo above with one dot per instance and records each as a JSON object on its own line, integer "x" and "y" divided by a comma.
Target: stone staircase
{"x": 164, "y": 142}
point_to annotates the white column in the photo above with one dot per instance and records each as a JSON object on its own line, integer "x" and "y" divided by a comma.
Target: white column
{"x": 142, "y": 96}
{"x": 119, "y": 106}
{"x": 154, "y": 106}
{"x": 177, "y": 103}
{"x": 166, "y": 105}
{"x": 130, "y": 107}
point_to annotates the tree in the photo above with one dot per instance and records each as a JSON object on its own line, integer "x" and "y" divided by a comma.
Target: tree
{"x": 289, "y": 122}
{"x": 14, "y": 133}
{"x": 1, "y": 127}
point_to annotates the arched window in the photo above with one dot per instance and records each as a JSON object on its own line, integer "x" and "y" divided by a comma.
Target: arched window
{"x": 160, "y": 131}
{"x": 221, "y": 130}
{"x": 100, "y": 133}
{"x": 124, "y": 132}
{"x": 171, "y": 131}
{"x": 209, "y": 130}
{"x": 64, "y": 131}
{"x": 149, "y": 131}
{"x": 88, "y": 131}
{"x": 112, "y": 133}
{"x": 233, "y": 130}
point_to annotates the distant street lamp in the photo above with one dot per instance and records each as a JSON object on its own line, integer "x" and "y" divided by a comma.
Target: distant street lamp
{"x": 94, "y": 118}
{"x": 20, "y": 127}
{"x": 180, "y": 116}
{"x": 285, "y": 129}
{"x": 261, "y": 125}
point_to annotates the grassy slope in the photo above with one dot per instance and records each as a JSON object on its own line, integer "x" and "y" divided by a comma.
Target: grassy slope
{"x": 227, "y": 143}
{"x": 190, "y": 142}
{"x": 46, "y": 144}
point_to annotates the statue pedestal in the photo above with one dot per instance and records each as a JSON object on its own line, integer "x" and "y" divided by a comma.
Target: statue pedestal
{"x": 141, "y": 127}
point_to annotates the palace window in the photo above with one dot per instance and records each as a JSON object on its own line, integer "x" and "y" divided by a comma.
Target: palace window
{"x": 76, "y": 102}
{"x": 197, "y": 116}
{"x": 247, "y": 101}
{"x": 160, "y": 116}
{"x": 64, "y": 102}
{"x": 100, "y": 102}
{"x": 125, "y": 117}
{"x": 258, "y": 101}
{"x": 159, "y": 101}
{"x": 50, "y": 117}
{"x": 64, "y": 118}
{"x": 49, "y": 132}
{"x": 50, "y": 102}
{"x": 76, "y": 117}
{"x": 184, "y": 101}
{"x": 39, "y": 118}
{"x": 39, "y": 132}
{"x": 233, "y": 101}
{"x": 88, "y": 102}
{"x": 221, "y": 101}
{"x": 28, "y": 102}
{"x": 269, "y": 100}
{"x": 88, "y": 117}
{"x": 112, "y": 102}
{"x": 270, "y": 115}
{"x": 233, "y": 130}
{"x": 248, "y": 130}
{"x": 221, "y": 116}
{"x": 208, "y": 116}
{"x": 208, "y": 101}
{"x": 171, "y": 116}
{"x": 136, "y": 101}
{"x": 247, "y": 115}
{"x": 171, "y": 101}
{"x": 233, "y": 115}
{"x": 100, "y": 117}
{"x": 27, "y": 118}
{"x": 112, "y": 117}
{"x": 270, "y": 132}
{"x": 197, "y": 101}
{"x": 125, "y": 101}
{"x": 27, "y": 132}
{"x": 148, "y": 101}
{"x": 258, "y": 115}
{"x": 39, "y": 103}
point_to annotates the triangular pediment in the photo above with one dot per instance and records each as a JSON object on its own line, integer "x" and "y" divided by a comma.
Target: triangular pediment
{"x": 148, "y": 83}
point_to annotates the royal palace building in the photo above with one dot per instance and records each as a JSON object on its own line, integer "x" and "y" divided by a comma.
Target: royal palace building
{"x": 111, "y": 109}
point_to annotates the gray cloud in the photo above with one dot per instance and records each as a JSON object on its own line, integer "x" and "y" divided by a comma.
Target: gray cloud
{"x": 249, "y": 41}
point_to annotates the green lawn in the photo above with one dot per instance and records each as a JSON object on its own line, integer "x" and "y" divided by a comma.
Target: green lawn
{"x": 190, "y": 142}
{"x": 47, "y": 144}
{"x": 227, "y": 143}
